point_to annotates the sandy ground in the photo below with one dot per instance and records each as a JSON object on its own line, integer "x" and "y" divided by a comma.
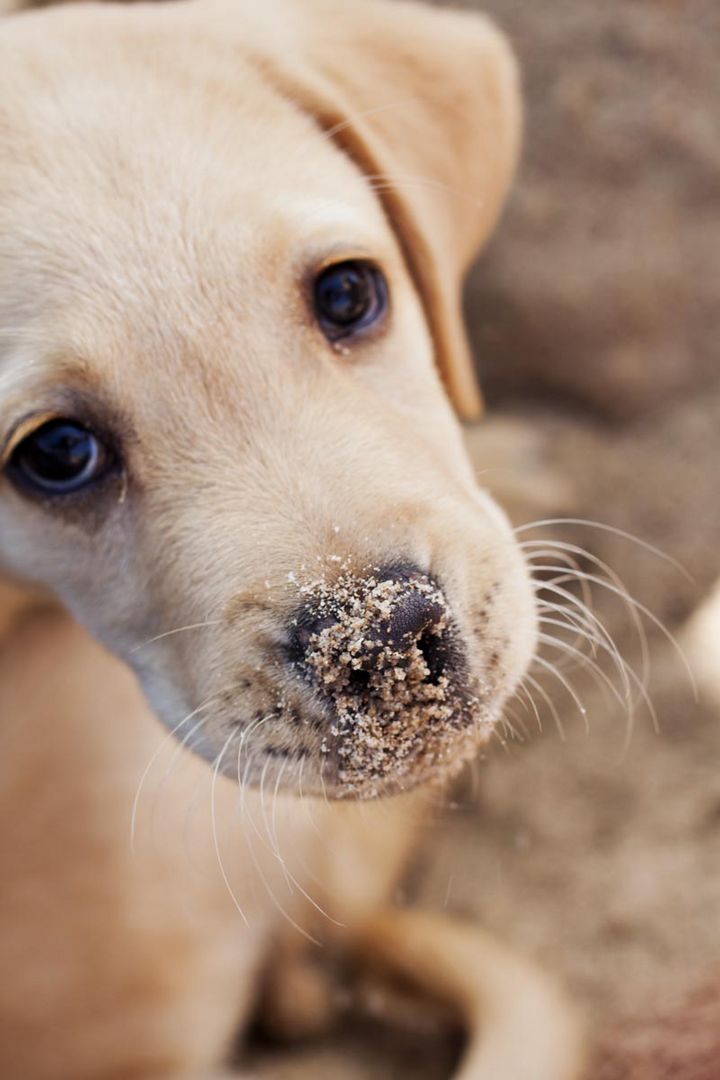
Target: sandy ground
{"x": 595, "y": 319}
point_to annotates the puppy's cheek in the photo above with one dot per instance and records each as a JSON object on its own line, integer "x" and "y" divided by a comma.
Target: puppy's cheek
{"x": 493, "y": 512}
{"x": 518, "y": 635}
{"x": 491, "y": 591}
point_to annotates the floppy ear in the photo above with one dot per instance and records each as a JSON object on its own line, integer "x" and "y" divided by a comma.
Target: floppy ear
{"x": 426, "y": 102}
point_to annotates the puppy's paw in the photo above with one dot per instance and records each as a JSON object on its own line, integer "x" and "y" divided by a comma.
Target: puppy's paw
{"x": 233, "y": 1074}
{"x": 299, "y": 1000}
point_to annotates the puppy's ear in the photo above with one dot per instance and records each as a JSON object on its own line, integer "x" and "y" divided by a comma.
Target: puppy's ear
{"x": 426, "y": 102}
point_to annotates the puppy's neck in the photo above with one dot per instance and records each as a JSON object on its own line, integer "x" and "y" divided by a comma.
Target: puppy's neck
{"x": 16, "y": 602}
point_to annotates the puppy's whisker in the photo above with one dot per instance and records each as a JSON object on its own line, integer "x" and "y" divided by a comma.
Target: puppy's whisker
{"x": 549, "y": 551}
{"x": 587, "y": 523}
{"x": 572, "y": 607}
{"x": 146, "y": 772}
{"x": 572, "y": 627}
{"x": 577, "y": 657}
{"x": 632, "y": 679}
{"x": 571, "y": 624}
{"x": 344, "y": 125}
{"x": 389, "y": 181}
{"x": 597, "y": 643}
{"x": 533, "y": 704}
{"x": 540, "y": 689}
{"x": 176, "y": 630}
{"x": 271, "y": 826}
{"x": 509, "y": 728}
{"x": 648, "y": 615}
{"x": 585, "y": 615}
{"x": 192, "y": 805}
{"x": 271, "y": 838}
{"x": 197, "y": 788}
{"x": 306, "y": 802}
{"x": 274, "y": 822}
{"x": 567, "y": 562}
{"x": 176, "y": 754}
{"x": 244, "y": 738}
{"x": 213, "y": 817}
{"x": 564, "y": 681}
{"x": 309, "y": 874}
{"x": 617, "y": 580}
{"x": 264, "y": 809}
{"x": 242, "y": 779}
{"x": 583, "y": 659}
{"x": 262, "y": 875}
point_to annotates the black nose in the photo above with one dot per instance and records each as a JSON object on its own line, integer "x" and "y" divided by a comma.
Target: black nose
{"x": 413, "y": 614}
{"x": 362, "y": 626}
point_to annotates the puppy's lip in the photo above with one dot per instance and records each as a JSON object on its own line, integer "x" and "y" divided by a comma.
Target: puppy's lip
{"x": 394, "y": 783}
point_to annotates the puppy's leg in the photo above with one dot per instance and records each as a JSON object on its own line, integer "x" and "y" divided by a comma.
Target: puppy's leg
{"x": 519, "y": 1025}
{"x": 125, "y": 964}
{"x": 360, "y": 854}
{"x": 232, "y": 1075}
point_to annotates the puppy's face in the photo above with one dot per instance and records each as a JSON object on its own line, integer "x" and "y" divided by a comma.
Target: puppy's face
{"x": 225, "y": 445}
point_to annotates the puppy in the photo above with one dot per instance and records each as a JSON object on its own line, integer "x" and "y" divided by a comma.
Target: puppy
{"x": 232, "y": 237}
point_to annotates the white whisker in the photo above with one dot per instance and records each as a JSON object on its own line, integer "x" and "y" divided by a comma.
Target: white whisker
{"x": 617, "y": 580}
{"x": 261, "y": 873}
{"x": 213, "y": 814}
{"x": 146, "y": 772}
{"x": 540, "y": 689}
{"x": 595, "y": 670}
{"x": 343, "y": 125}
{"x": 533, "y": 705}
{"x": 587, "y": 523}
{"x": 566, "y": 683}
{"x": 176, "y": 630}
{"x": 648, "y": 615}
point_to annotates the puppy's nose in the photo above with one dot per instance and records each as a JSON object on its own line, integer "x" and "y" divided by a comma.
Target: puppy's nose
{"x": 413, "y": 614}
{"x": 390, "y": 627}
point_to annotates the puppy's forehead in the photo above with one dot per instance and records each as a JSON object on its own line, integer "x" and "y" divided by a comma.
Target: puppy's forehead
{"x": 140, "y": 181}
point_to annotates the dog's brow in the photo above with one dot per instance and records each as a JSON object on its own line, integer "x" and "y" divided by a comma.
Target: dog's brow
{"x": 75, "y": 371}
{"x": 67, "y": 385}
{"x": 330, "y": 212}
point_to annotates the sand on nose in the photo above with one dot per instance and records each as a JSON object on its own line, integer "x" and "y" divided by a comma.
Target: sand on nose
{"x": 394, "y": 715}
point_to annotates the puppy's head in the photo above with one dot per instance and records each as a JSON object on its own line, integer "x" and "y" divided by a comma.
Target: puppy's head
{"x": 231, "y": 244}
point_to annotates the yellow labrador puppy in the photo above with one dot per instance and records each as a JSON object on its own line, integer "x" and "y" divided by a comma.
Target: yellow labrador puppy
{"x": 232, "y": 236}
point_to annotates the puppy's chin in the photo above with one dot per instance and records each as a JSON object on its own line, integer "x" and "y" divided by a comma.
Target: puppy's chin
{"x": 370, "y": 768}
{"x": 304, "y": 748}
{"x": 396, "y": 762}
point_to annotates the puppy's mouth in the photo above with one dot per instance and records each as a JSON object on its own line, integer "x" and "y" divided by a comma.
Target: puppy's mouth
{"x": 384, "y": 659}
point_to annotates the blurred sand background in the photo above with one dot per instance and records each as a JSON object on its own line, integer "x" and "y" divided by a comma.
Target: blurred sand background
{"x": 596, "y": 320}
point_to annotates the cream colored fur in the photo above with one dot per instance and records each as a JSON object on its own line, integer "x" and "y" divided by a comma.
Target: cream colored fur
{"x": 169, "y": 176}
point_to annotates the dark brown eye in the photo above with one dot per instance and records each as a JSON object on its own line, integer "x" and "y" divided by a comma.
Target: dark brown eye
{"x": 59, "y": 458}
{"x": 349, "y": 297}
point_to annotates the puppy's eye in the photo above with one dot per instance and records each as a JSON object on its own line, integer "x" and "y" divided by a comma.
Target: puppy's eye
{"x": 59, "y": 458}
{"x": 349, "y": 297}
